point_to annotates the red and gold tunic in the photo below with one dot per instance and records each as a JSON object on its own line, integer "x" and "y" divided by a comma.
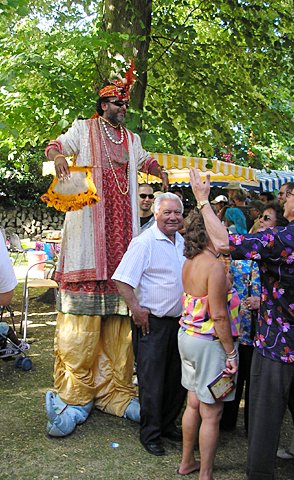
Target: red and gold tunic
{"x": 93, "y": 246}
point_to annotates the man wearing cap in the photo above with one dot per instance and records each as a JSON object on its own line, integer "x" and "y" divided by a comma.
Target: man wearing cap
{"x": 93, "y": 349}
{"x": 220, "y": 202}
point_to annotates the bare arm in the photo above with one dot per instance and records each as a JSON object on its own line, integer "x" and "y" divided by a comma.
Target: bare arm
{"x": 8, "y": 280}
{"x": 140, "y": 314}
{"x": 60, "y": 163}
{"x": 217, "y": 293}
{"x": 158, "y": 172}
{"x": 6, "y": 297}
{"x": 217, "y": 232}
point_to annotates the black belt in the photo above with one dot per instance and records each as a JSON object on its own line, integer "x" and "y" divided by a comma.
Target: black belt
{"x": 164, "y": 316}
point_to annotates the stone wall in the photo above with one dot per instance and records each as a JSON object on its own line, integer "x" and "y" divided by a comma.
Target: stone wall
{"x": 29, "y": 223}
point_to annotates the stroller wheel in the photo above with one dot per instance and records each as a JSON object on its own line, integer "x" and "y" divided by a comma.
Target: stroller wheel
{"x": 26, "y": 364}
{"x": 18, "y": 362}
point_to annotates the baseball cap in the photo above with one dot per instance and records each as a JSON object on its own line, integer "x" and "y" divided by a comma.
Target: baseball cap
{"x": 219, "y": 198}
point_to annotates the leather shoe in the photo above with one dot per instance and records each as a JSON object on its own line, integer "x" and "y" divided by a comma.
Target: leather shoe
{"x": 174, "y": 434}
{"x": 155, "y": 448}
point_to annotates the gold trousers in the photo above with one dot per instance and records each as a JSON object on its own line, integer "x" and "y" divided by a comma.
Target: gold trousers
{"x": 94, "y": 361}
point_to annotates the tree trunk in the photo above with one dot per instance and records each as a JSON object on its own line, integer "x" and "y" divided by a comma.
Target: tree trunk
{"x": 132, "y": 17}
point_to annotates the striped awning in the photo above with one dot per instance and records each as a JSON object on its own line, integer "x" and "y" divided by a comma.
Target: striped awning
{"x": 270, "y": 181}
{"x": 169, "y": 161}
{"x": 181, "y": 178}
{"x": 221, "y": 173}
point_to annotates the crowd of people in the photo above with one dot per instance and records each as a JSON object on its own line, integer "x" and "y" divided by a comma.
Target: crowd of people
{"x": 191, "y": 317}
{"x": 192, "y": 303}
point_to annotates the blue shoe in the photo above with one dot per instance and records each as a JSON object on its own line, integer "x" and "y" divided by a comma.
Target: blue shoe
{"x": 132, "y": 411}
{"x": 64, "y": 418}
{"x": 49, "y": 403}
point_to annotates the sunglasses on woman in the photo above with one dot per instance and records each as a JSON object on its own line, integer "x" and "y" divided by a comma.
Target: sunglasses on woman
{"x": 145, "y": 195}
{"x": 266, "y": 218}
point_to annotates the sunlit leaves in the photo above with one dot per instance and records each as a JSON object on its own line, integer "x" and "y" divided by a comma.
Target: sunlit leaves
{"x": 216, "y": 70}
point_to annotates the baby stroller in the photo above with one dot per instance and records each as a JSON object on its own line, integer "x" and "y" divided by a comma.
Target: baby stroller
{"x": 8, "y": 348}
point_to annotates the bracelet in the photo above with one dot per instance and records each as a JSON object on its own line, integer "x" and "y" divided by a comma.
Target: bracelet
{"x": 58, "y": 155}
{"x": 232, "y": 358}
{"x": 231, "y": 353}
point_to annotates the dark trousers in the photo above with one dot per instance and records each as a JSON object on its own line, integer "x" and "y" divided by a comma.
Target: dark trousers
{"x": 291, "y": 400}
{"x": 230, "y": 411}
{"x": 269, "y": 394}
{"x": 161, "y": 394}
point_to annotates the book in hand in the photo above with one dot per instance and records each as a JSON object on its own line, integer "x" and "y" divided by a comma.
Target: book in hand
{"x": 221, "y": 386}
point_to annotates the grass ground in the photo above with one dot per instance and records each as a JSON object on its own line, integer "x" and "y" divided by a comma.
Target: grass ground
{"x": 28, "y": 453}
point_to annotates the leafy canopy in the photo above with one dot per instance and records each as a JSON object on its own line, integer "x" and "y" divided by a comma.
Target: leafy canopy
{"x": 219, "y": 76}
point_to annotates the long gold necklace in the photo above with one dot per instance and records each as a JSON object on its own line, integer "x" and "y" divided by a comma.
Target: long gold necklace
{"x": 111, "y": 165}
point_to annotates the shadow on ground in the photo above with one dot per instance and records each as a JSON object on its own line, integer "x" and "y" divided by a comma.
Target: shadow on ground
{"x": 27, "y": 452}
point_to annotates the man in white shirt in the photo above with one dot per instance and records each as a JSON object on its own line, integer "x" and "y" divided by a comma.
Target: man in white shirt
{"x": 8, "y": 280}
{"x": 149, "y": 278}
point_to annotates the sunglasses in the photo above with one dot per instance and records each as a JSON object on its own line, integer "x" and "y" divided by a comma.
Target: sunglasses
{"x": 145, "y": 195}
{"x": 266, "y": 218}
{"x": 119, "y": 103}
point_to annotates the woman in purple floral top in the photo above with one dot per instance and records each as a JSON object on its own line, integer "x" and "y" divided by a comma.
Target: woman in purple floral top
{"x": 245, "y": 272}
{"x": 272, "y": 368}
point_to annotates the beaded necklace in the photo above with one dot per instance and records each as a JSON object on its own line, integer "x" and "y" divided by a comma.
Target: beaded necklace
{"x": 113, "y": 140}
{"x": 111, "y": 165}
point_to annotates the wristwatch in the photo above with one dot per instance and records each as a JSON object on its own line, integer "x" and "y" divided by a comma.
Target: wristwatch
{"x": 201, "y": 203}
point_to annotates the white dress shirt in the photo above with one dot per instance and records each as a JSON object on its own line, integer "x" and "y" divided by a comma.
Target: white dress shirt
{"x": 153, "y": 266}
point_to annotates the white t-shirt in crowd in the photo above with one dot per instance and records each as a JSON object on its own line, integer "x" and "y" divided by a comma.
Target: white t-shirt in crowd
{"x": 7, "y": 276}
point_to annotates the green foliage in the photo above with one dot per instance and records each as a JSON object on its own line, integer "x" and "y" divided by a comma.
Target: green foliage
{"x": 21, "y": 179}
{"x": 216, "y": 72}
{"x": 8, "y": 7}
{"x": 220, "y": 69}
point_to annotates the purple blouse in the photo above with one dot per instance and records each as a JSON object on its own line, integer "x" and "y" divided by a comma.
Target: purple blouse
{"x": 273, "y": 250}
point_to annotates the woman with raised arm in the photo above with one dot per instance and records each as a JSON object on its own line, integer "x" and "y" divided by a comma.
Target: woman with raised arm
{"x": 272, "y": 370}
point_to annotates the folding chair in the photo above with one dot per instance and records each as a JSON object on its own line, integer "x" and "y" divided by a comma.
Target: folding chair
{"x": 36, "y": 283}
{"x": 15, "y": 246}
